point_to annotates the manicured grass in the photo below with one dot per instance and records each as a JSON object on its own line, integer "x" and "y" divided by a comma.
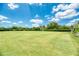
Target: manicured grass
{"x": 37, "y": 43}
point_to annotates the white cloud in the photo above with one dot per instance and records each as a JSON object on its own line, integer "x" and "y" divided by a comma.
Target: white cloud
{"x": 67, "y": 14}
{"x": 47, "y": 16}
{"x": 69, "y": 24}
{"x": 26, "y": 25}
{"x": 77, "y": 19}
{"x": 73, "y": 6}
{"x": 72, "y": 22}
{"x": 55, "y": 9}
{"x": 13, "y": 6}
{"x": 60, "y": 7}
{"x": 3, "y": 21}
{"x": 65, "y": 7}
{"x": 14, "y": 23}
{"x": 36, "y": 16}
{"x": 30, "y": 3}
{"x": 36, "y": 21}
{"x": 35, "y": 25}
{"x": 6, "y": 21}
{"x": 54, "y": 20}
{"x": 38, "y": 4}
{"x": 3, "y": 17}
{"x": 65, "y": 11}
{"x": 20, "y": 21}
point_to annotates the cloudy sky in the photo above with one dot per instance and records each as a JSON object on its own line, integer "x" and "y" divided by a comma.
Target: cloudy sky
{"x": 36, "y": 14}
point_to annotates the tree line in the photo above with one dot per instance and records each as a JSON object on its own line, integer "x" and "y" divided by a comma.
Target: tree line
{"x": 52, "y": 26}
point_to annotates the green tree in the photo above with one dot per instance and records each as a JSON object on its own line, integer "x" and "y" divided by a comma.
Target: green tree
{"x": 52, "y": 25}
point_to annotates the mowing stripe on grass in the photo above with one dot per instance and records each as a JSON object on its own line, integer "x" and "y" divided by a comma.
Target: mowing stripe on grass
{"x": 37, "y": 43}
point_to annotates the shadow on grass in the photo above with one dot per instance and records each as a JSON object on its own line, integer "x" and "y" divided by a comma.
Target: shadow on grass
{"x": 1, "y": 54}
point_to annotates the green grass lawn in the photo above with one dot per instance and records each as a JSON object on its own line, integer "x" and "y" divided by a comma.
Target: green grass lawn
{"x": 37, "y": 43}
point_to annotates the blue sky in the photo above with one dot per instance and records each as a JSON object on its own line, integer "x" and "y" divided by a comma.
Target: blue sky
{"x": 36, "y": 14}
